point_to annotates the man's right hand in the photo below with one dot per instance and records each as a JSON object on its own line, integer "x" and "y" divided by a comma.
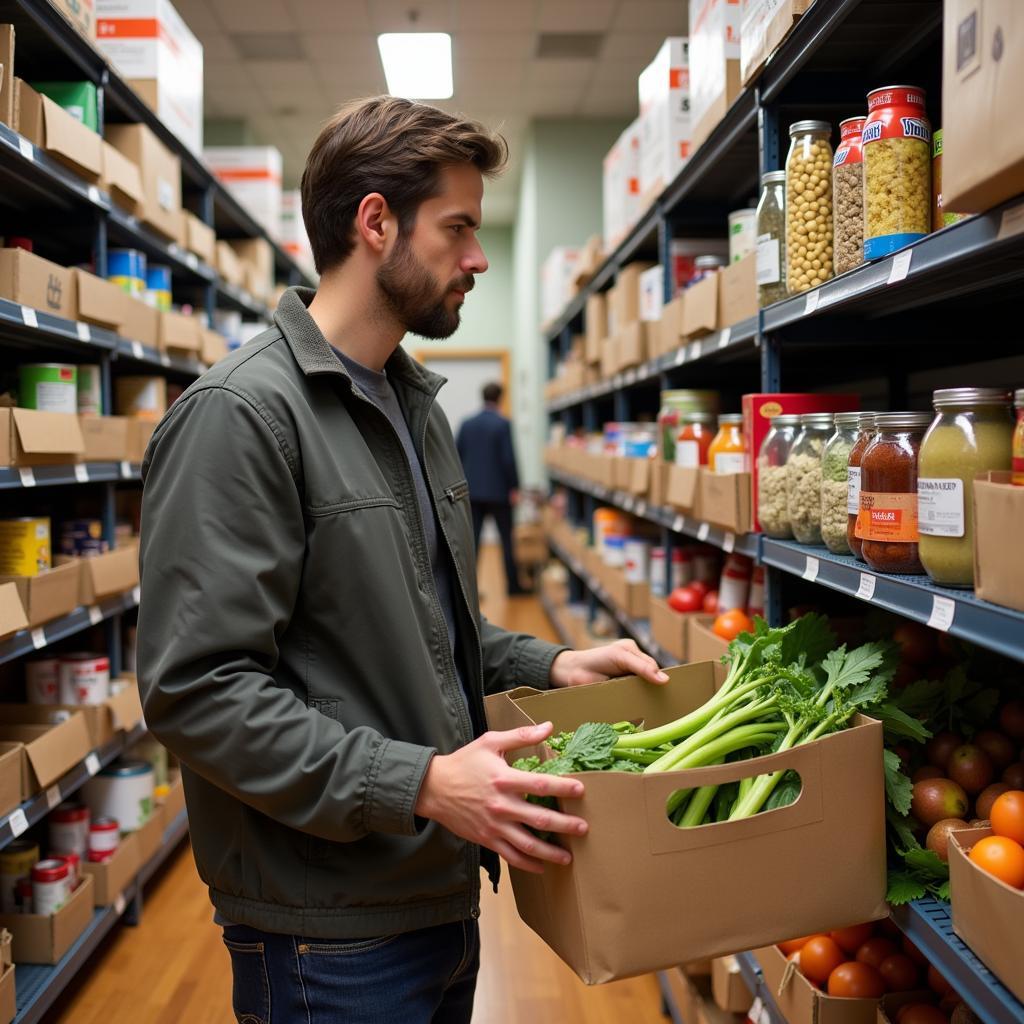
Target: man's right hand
{"x": 476, "y": 795}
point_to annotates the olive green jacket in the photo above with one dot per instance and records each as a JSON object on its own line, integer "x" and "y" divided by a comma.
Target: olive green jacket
{"x": 292, "y": 650}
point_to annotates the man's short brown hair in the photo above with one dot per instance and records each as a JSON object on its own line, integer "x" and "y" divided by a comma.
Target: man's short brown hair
{"x": 388, "y": 145}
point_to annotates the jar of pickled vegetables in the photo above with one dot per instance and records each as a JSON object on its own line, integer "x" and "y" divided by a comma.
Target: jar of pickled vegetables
{"x": 865, "y": 434}
{"x": 772, "y": 500}
{"x": 803, "y": 483}
{"x": 897, "y": 145}
{"x": 729, "y": 452}
{"x": 972, "y": 433}
{"x": 808, "y": 206}
{"x": 771, "y": 238}
{"x": 835, "y": 461}
{"x": 694, "y": 439}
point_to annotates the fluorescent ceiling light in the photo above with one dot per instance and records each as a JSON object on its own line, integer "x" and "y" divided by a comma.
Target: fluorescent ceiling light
{"x": 417, "y": 65}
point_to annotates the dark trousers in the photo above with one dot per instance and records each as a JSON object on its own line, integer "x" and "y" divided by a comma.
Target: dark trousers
{"x": 502, "y": 513}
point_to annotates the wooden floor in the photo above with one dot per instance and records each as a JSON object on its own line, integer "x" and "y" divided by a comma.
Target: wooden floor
{"x": 173, "y": 969}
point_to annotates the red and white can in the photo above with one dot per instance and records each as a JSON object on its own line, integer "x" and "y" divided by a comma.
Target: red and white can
{"x": 69, "y": 828}
{"x": 705, "y": 566}
{"x": 755, "y": 602}
{"x": 682, "y": 567}
{"x": 734, "y": 584}
{"x": 659, "y": 584}
{"x": 51, "y": 886}
{"x": 104, "y": 837}
{"x": 84, "y": 678}
{"x": 74, "y": 863}
{"x": 42, "y": 681}
{"x": 637, "y": 560}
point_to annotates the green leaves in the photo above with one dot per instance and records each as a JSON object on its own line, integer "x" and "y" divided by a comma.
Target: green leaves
{"x": 591, "y": 746}
{"x": 898, "y": 788}
{"x": 904, "y": 887}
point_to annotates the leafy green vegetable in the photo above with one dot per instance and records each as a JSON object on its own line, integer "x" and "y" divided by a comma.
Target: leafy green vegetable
{"x": 898, "y": 788}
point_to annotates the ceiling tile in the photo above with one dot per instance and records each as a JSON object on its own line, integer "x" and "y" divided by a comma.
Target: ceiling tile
{"x": 496, "y": 16}
{"x": 342, "y": 48}
{"x": 282, "y": 74}
{"x": 602, "y": 101}
{"x": 233, "y": 102}
{"x": 393, "y": 15}
{"x": 253, "y": 15}
{"x": 331, "y": 16}
{"x": 483, "y": 47}
{"x": 576, "y": 15}
{"x": 640, "y": 46}
{"x": 198, "y": 15}
{"x": 619, "y": 74}
{"x": 669, "y": 17}
{"x": 560, "y": 73}
{"x": 226, "y": 75}
{"x": 217, "y": 46}
{"x": 484, "y": 81}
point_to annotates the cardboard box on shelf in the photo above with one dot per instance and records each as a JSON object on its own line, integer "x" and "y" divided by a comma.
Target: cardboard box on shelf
{"x": 706, "y": 870}
{"x": 252, "y": 174}
{"x": 12, "y": 777}
{"x": 638, "y": 482}
{"x": 624, "y": 298}
{"x": 258, "y": 253}
{"x": 682, "y": 488}
{"x": 45, "y": 938}
{"x": 700, "y": 310}
{"x": 293, "y": 237}
{"x": 228, "y": 265}
{"x": 652, "y": 294}
{"x": 621, "y": 472}
{"x": 890, "y": 1005}
{"x": 591, "y": 257}
{"x": 556, "y": 281}
{"x": 725, "y": 500}
{"x": 99, "y": 302}
{"x": 987, "y": 914}
{"x": 595, "y": 321}
{"x": 701, "y": 643}
{"x": 8, "y": 1001}
{"x": 121, "y": 178}
{"x": 54, "y": 130}
{"x": 737, "y": 291}
{"x": 49, "y": 594}
{"x": 81, "y": 14}
{"x": 35, "y": 282}
{"x": 998, "y": 567}
{"x": 12, "y": 614}
{"x": 763, "y": 26}
{"x": 714, "y": 63}
{"x": 150, "y": 837}
{"x": 50, "y": 749}
{"x": 105, "y": 437}
{"x": 620, "y": 187}
{"x": 982, "y": 137}
{"x": 8, "y": 111}
{"x": 668, "y": 627}
{"x": 139, "y": 322}
{"x": 214, "y": 346}
{"x": 656, "y": 488}
{"x": 172, "y": 805}
{"x": 632, "y": 345}
{"x": 664, "y": 94}
{"x": 200, "y": 238}
{"x": 141, "y": 397}
{"x": 150, "y": 45}
{"x": 609, "y": 357}
{"x": 109, "y": 574}
{"x": 160, "y": 170}
{"x": 120, "y": 713}
{"x": 112, "y": 877}
{"x": 31, "y": 438}
{"x": 670, "y": 327}
{"x": 178, "y": 333}
{"x": 139, "y": 433}
{"x": 728, "y": 987}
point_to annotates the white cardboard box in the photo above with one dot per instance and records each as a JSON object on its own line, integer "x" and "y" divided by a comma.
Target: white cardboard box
{"x": 664, "y": 93}
{"x": 293, "y": 237}
{"x": 652, "y": 293}
{"x": 252, "y": 174}
{"x": 556, "y": 281}
{"x": 714, "y": 62}
{"x": 621, "y": 186}
{"x": 151, "y": 46}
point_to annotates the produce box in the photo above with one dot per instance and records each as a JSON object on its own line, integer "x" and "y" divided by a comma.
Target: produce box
{"x": 112, "y": 573}
{"x": 998, "y": 567}
{"x": 49, "y": 594}
{"x": 113, "y": 876}
{"x": 987, "y": 913}
{"x": 764, "y": 24}
{"x": 99, "y": 302}
{"x": 668, "y": 627}
{"x": 714, "y": 64}
{"x": 631, "y": 598}
{"x": 12, "y": 615}
{"x": 595, "y": 320}
{"x": 121, "y": 178}
{"x": 683, "y": 894}
{"x": 105, "y": 437}
{"x": 728, "y": 987}
{"x": 31, "y": 438}
{"x": 8, "y": 1002}
{"x": 54, "y": 130}
{"x": 45, "y": 938}
{"x": 35, "y": 282}
{"x": 160, "y": 170}
{"x": 890, "y": 1005}
{"x": 50, "y": 749}
{"x": 982, "y": 134}
{"x": 701, "y": 643}
{"x": 724, "y": 499}
{"x": 737, "y": 291}
{"x": 120, "y": 713}
{"x": 700, "y": 310}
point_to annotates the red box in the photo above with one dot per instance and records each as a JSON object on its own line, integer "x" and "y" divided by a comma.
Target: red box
{"x": 759, "y": 409}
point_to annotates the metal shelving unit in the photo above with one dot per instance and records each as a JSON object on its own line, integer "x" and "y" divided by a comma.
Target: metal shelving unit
{"x": 79, "y": 473}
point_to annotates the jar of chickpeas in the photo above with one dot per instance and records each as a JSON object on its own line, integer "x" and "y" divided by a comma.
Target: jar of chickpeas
{"x": 897, "y": 146}
{"x": 808, "y": 206}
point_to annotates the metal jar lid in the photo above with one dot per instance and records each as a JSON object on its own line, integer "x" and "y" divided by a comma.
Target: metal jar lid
{"x": 955, "y": 398}
{"x": 810, "y": 127}
{"x": 699, "y": 417}
{"x": 785, "y": 420}
{"x": 708, "y": 261}
{"x": 903, "y": 420}
{"x": 774, "y": 178}
{"x": 817, "y": 419}
{"x": 728, "y": 418}
{"x": 125, "y": 769}
{"x": 847, "y": 419}
{"x": 866, "y": 419}
{"x": 1018, "y": 398}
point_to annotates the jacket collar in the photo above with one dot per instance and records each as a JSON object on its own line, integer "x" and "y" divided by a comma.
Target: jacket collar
{"x": 315, "y": 356}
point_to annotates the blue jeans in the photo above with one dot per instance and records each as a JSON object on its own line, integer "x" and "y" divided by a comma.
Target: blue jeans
{"x": 426, "y": 976}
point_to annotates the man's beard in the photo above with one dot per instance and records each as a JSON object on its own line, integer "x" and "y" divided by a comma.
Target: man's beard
{"x": 414, "y": 296}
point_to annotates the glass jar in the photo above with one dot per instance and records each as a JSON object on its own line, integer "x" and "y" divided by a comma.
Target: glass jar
{"x": 808, "y": 206}
{"x": 865, "y": 435}
{"x": 848, "y": 197}
{"x": 729, "y": 452}
{"x": 742, "y": 233}
{"x": 888, "y": 493}
{"x": 972, "y": 433}
{"x": 772, "y": 498}
{"x": 1017, "y": 463}
{"x": 704, "y": 265}
{"x": 803, "y": 483}
{"x": 835, "y": 462}
{"x": 897, "y": 143}
{"x": 771, "y": 236}
{"x": 694, "y": 439}
{"x": 673, "y": 404}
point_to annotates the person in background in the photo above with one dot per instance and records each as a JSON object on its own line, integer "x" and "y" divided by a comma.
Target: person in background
{"x": 489, "y": 459}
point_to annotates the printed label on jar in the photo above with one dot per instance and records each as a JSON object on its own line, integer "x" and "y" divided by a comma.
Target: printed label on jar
{"x": 687, "y": 454}
{"x": 940, "y": 506}
{"x": 768, "y": 262}
{"x": 853, "y": 491}
{"x": 731, "y": 462}
{"x": 888, "y": 517}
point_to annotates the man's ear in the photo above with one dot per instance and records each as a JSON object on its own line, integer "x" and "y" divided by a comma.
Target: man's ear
{"x": 375, "y": 222}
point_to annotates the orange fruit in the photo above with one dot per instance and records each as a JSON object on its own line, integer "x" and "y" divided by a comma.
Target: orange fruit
{"x": 820, "y": 957}
{"x": 1001, "y": 857}
{"x": 1007, "y": 815}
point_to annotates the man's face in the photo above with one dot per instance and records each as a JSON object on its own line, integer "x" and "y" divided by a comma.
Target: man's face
{"x": 428, "y": 272}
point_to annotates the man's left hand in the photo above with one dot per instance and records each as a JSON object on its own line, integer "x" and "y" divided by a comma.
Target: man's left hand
{"x": 622, "y": 658}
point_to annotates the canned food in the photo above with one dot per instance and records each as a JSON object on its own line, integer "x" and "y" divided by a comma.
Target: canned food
{"x": 637, "y": 560}
{"x": 82, "y": 538}
{"x": 23, "y": 896}
{"x": 51, "y": 886}
{"x": 48, "y": 387}
{"x": 42, "y": 681}
{"x": 742, "y": 233}
{"x": 158, "y": 287}
{"x": 74, "y": 863}
{"x": 123, "y": 790}
{"x": 16, "y": 861}
{"x": 734, "y": 584}
{"x": 615, "y": 551}
{"x": 84, "y": 678}
{"x": 127, "y": 269}
{"x": 682, "y": 567}
{"x": 90, "y": 390}
{"x": 69, "y": 828}
{"x": 24, "y": 546}
{"x": 104, "y": 838}
{"x": 659, "y": 584}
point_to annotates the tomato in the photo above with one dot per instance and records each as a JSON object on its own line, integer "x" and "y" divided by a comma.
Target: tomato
{"x": 922, "y": 1013}
{"x": 820, "y": 957}
{"x": 684, "y": 599}
{"x": 792, "y": 945}
{"x": 914, "y": 953}
{"x": 875, "y": 950}
{"x": 917, "y": 642}
{"x": 1007, "y": 815}
{"x": 852, "y": 938}
{"x": 856, "y": 981}
{"x": 899, "y": 973}
{"x": 937, "y": 983}
{"x": 730, "y": 624}
{"x": 699, "y": 587}
{"x": 711, "y": 602}
{"x": 1001, "y": 857}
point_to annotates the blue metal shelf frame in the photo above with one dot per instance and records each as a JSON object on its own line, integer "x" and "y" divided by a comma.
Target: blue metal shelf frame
{"x": 81, "y": 473}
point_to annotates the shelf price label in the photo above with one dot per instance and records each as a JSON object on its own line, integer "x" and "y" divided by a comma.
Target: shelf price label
{"x": 729, "y": 542}
{"x": 28, "y": 478}
{"x": 126, "y": 470}
{"x": 641, "y": 508}
{"x": 92, "y": 763}
{"x": 943, "y": 611}
{"x": 810, "y": 572}
{"x": 811, "y": 302}
{"x": 120, "y": 904}
{"x": 678, "y": 523}
{"x": 137, "y": 350}
{"x": 703, "y": 530}
{"x": 94, "y": 195}
{"x": 136, "y": 594}
{"x": 38, "y": 638}
{"x": 84, "y": 334}
{"x": 28, "y": 317}
{"x": 725, "y": 337}
{"x": 81, "y": 472}
{"x": 26, "y": 148}
{"x": 900, "y": 266}
{"x": 53, "y": 797}
{"x": 95, "y": 615}
{"x": 680, "y": 356}
{"x": 18, "y": 822}
{"x": 866, "y": 588}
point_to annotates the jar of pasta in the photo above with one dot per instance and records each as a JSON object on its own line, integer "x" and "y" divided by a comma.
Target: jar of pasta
{"x": 808, "y": 206}
{"x": 972, "y": 433}
{"x": 803, "y": 482}
{"x": 897, "y": 145}
{"x": 848, "y": 197}
{"x": 772, "y": 501}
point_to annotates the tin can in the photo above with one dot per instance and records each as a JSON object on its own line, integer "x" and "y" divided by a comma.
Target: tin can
{"x": 48, "y": 387}
{"x": 69, "y": 828}
{"x": 659, "y": 583}
{"x": 51, "y": 886}
{"x": 742, "y": 233}
{"x": 637, "y": 560}
{"x": 615, "y": 551}
{"x": 74, "y": 863}
{"x": 90, "y": 390}
{"x": 84, "y": 678}
{"x": 23, "y": 896}
{"x": 755, "y": 601}
{"x": 42, "y": 681}
{"x": 705, "y": 564}
{"x": 24, "y": 546}
{"x": 123, "y": 790}
{"x": 127, "y": 269}
{"x": 158, "y": 287}
{"x": 16, "y": 861}
{"x": 104, "y": 839}
{"x": 682, "y": 568}
{"x": 83, "y": 538}
{"x": 734, "y": 584}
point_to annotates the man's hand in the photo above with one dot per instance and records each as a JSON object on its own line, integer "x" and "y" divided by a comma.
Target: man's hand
{"x": 622, "y": 658}
{"x": 476, "y": 795}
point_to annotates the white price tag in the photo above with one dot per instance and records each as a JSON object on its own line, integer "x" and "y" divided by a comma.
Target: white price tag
{"x": 192, "y": 260}
{"x": 38, "y": 638}
{"x": 678, "y": 523}
{"x": 680, "y": 356}
{"x": 729, "y": 543}
{"x": 94, "y": 195}
{"x": 82, "y": 473}
{"x": 26, "y": 147}
{"x": 92, "y": 763}
{"x": 693, "y": 350}
{"x": 173, "y": 248}
{"x": 630, "y": 377}
{"x": 53, "y": 797}
{"x": 765, "y": 1016}
{"x": 811, "y": 302}
{"x": 126, "y": 470}
{"x": 725, "y": 337}
{"x": 866, "y": 589}
{"x": 703, "y": 530}
{"x": 811, "y": 569}
{"x": 84, "y": 334}
{"x": 95, "y": 614}
{"x": 1011, "y": 223}
{"x": 136, "y": 594}
{"x": 943, "y": 610}
{"x": 120, "y": 904}
{"x": 165, "y": 359}
{"x": 137, "y": 350}
{"x": 28, "y": 316}
{"x": 754, "y": 1014}
{"x": 628, "y": 502}
{"x": 18, "y": 822}
{"x": 28, "y": 478}
{"x": 900, "y": 266}
{"x": 641, "y": 508}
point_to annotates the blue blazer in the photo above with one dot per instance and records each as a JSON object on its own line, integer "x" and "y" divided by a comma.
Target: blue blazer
{"x": 485, "y": 447}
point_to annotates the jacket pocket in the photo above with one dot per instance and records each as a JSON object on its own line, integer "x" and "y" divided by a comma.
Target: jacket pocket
{"x": 457, "y": 492}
